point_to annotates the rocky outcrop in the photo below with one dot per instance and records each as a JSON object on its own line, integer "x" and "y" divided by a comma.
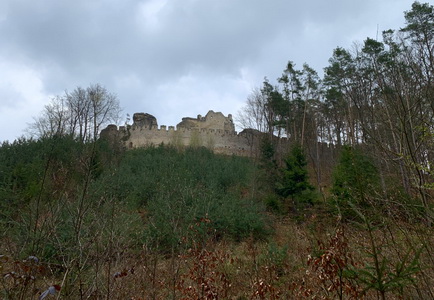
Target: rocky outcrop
{"x": 144, "y": 121}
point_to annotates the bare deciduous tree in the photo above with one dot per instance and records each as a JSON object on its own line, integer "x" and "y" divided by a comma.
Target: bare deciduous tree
{"x": 80, "y": 113}
{"x": 253, "y": 114}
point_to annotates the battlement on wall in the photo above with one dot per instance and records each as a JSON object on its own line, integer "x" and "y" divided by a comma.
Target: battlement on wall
{"x": 164, "y": 128}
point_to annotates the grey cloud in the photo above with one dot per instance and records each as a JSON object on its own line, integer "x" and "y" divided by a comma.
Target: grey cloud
{"x": 143, "y": 55}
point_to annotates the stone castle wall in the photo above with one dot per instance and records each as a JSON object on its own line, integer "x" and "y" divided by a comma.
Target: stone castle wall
{"x": 214, "y": 131}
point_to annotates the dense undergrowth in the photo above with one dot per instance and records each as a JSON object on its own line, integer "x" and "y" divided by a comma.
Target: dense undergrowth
{"x": 89, "y": 221}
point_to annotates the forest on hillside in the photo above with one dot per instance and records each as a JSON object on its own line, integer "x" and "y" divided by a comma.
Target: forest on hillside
{"x": 344, "y": 212}
{"x": 377, "y": 97}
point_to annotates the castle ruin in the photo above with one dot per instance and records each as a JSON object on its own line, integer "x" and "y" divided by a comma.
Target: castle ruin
{"x": 213, "y": 131}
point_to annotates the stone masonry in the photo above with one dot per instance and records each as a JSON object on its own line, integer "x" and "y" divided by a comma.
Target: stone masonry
{"x": 214, "y": 131}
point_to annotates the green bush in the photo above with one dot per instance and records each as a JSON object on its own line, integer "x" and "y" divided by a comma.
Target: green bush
{"x": 273, "y": 203}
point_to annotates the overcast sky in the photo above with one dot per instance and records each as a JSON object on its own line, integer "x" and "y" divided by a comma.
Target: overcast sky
{"x": 169, "y": 58}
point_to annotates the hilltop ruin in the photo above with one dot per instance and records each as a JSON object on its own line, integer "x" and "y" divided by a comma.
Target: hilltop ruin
{"x": 214, "y": 131}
